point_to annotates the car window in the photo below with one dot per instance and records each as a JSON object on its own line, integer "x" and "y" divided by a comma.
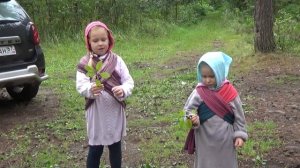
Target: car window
{"x": 11, "y": 11}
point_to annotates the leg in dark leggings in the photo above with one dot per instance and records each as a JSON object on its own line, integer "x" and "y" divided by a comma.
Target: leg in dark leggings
{"x": 94, "y": 155}
{"x": 115, "y": 155}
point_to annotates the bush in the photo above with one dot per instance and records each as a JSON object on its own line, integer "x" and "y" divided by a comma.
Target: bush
{"x": 286, "y": 33}
{"x": 193, "y": 13}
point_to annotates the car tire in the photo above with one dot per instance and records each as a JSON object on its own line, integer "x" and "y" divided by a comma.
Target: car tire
{"x": 23, "y": 93}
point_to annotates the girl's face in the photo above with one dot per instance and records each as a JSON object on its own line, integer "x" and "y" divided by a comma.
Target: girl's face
{"x": 98, "y": 39}
{"x": 208, "y": 76}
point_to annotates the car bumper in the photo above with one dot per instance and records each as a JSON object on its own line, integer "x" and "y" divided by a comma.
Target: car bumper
{"x": 23, "y": 76}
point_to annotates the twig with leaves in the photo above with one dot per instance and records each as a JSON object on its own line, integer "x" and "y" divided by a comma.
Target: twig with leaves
{"x": 184, "y": 122}
{"x": 95, "y": 73}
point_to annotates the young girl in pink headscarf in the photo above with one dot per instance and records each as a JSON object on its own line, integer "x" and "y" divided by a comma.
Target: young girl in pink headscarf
{"x": 105, "y": 106}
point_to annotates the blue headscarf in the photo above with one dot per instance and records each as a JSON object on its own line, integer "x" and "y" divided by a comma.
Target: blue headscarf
{"x": 219, "y": 62}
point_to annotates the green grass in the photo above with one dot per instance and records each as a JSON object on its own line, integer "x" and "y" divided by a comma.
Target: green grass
{"x": 196, "y": 39}
{"x": 158, "y": 96}
{"x": 263, "y": 138}
{"x": 284, "y": 79}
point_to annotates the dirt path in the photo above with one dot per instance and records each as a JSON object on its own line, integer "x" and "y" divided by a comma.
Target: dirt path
{"x": 15, "y": 114}
{"x": 274, "y": 85}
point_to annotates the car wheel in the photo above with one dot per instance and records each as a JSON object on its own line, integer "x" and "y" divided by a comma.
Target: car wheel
{"x": 23, "y": 93}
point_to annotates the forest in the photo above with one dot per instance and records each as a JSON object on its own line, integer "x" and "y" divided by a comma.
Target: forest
{"x": 65, "y": 18}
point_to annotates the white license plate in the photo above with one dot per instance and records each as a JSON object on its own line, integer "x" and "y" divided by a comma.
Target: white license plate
{"x": 7, "y": 50}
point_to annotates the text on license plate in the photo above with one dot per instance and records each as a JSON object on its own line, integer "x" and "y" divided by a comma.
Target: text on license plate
{"x": 7, "y": 50}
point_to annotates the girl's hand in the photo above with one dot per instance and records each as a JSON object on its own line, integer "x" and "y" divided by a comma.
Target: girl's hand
{"x": 118, "y": 91}
{"x": 96, "y": 90}
{"x": 195, "y": 120}
{"x": 239, "y": 142}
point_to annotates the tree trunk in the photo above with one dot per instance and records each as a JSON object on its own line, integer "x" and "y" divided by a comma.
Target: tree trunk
{"x": 264, "y": 20}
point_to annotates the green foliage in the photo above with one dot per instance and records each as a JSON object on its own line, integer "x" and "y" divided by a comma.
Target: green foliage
{"x": 90, "y": 71}
{"x": 240, "y": 20}
{"x": 153, "y": 28}
{"x": 284, "y": 79}
{"x": 93, "y": 72}
{"x": 194, "y": 13}
{"x": 259, "y": 161}
{"x": 184, "y": 123}
{"x": 290, "y": 6}
{"x": 286, "y": 32}
{"x": 263, "y": 138}
{"x": 245, "y": 6}
{"x": 105, "y": 75}
{"x": 286, "y": 26}
{"x": 147, "y": 165}
{"x": 51, "y": 157}
{"x": 64, "y": 18}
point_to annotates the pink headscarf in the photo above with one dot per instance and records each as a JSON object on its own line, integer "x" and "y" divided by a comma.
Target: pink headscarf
{"x": 87, "y": 32}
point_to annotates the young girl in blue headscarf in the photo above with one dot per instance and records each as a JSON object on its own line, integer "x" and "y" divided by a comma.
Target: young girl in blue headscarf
{"x": 219, "y": 126}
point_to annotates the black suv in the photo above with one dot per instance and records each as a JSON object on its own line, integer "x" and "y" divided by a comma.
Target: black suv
{"x": 22, "y": 64}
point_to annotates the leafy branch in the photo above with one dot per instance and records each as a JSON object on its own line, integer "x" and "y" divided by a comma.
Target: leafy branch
{"x": 93, "y": 72}
{"x": 184, "y": 123}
